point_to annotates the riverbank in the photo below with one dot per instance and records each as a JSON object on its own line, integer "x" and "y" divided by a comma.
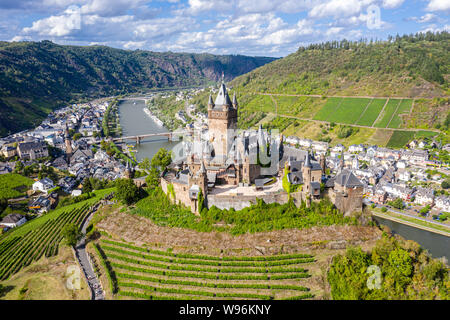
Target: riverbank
{"x": 413, "y": 222}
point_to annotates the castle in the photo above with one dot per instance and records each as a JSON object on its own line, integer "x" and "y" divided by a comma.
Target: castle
{"x": 223, "y": 157}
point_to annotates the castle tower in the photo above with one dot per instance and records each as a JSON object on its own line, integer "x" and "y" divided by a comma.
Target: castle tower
{"x": 129, "y": 172}
{"x": 306, "y": 172}
{"x": 222, "y": 124}
{"x": 203, "y": 179}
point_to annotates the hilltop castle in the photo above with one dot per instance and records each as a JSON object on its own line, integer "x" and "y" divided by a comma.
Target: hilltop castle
{"x": 223, "y": 159}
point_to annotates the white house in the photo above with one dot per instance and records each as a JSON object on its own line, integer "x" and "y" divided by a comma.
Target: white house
{"x": 356, "y": 148}
{"x": 424, "y": 196}
{"x": 401, "y": 164}
{"x": 76, "y": 193}
{"x": 43, "y": 185}
{"x": 404, "y": 175}
{"x": 443, "y": 203}
{"x": 13, "y": 220}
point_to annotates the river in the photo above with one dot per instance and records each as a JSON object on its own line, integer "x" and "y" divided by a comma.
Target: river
{"x": 437, "y": 245}
{"x": 134, "y": 121}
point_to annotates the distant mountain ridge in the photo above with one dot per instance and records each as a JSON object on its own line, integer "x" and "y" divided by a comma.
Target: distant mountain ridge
{"x": 37, "y": 77}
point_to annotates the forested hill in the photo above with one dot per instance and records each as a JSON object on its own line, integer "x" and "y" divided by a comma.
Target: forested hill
{"x": 36, "y": 77}
{"x": 414, "y": 66}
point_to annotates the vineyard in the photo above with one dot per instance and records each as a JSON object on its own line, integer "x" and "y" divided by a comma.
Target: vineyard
{"x": 39, "y": 237}
{"x": 145, "y": 273}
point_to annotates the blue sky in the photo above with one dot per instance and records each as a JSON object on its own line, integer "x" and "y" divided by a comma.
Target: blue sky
{"x": 250, "y": 27}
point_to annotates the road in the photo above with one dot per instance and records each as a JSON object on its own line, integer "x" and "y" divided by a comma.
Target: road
{"x": 408, "y": 215}
{"x": 82, "y": 257}
{"x": 349, "y": 124}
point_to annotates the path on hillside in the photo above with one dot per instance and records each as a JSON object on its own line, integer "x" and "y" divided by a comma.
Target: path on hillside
{"x": 353, "y": 125}
{"x": 95, "y": 286}
{"x": 334, "y": 96}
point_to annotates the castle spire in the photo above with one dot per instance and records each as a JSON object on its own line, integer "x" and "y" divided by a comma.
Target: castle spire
{"x": 307, "y": 161}
{"x": 210, "y": 101}
{"x": 223, "y": 99}
{"x": 235, "y": 103}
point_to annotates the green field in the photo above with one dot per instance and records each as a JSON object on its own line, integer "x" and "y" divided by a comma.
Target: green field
{"x": 400, "y": 138}
{"x": 41, "y": 236}
{"x": 328, "y": 110}
{"x": 144, "y": 273}
{"x": 361, "y": 111}
{"x": 370, "y": 115}
{"x": 404, "y": 107}
{"x": 261, "y": 103}
{"x": 14, "y": 185}
{"x": 388, "y": 111}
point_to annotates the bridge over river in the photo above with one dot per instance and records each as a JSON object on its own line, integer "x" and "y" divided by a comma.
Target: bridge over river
{"x": 171, "y": 136}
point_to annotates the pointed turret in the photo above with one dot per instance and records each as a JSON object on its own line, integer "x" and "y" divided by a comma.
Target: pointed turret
{"x": 223, "y": 99}
{"x": 235, "y": 103}
{"x": 210, "y": 102}
{"x": 307, "y": 161}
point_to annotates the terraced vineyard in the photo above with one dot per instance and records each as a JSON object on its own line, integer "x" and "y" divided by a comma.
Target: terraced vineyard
{"x": 144, "y": 273}
{"x": 17, "y": 252}
{"x": 41, "y": 236}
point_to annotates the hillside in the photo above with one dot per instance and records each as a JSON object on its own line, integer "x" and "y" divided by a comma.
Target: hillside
{"x": 36, "y": 77}
{"x": 380, "y": 90}
{"x": 408, "y": 66}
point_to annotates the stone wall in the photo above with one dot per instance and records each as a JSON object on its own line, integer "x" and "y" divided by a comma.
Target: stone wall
{"x": 239, "y": 202}
{"x": 348, "y": 201}
{"x": 181, "y": 192}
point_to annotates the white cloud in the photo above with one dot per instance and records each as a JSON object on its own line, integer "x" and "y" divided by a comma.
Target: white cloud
{"x": 438, "y": 5}
{"x": 134, "y": 45}
{"x": 435, "y": 28}
{"x": 392, "y": 4}
{"x": 338, "y": 8}
{"x": 426, "y": 18}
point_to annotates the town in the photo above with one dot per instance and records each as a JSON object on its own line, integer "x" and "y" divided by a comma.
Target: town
{"x": 70, "y": 146}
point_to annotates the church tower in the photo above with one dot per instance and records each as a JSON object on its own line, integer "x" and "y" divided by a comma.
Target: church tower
{"x": 68, "y": 143}
{"x": 323, "y": 164}
{"x": 222, "y": 123}
{"x": 306, "y": 172}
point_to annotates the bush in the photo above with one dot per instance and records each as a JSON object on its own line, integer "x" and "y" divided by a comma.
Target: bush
{"x": 383, "y": 209}
{"x": 127, "y": 191}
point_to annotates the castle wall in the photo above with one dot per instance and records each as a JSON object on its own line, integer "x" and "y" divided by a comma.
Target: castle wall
{"x": 181, "y": 192}
{"x": 242, "y": 201}
{"x": 348, "y": 201}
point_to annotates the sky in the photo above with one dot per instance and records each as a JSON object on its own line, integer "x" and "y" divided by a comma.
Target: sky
{"x": 273, "y": 28}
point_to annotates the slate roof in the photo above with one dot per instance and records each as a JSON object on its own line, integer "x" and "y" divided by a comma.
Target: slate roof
{"x": 346, "y": 178}
{"x": 12, "y": 218}
{"x": 222, "y": 98}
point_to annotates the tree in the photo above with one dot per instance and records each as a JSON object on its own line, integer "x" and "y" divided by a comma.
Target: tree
{"x": 384, "y": 209}
{"x": 145, "y": 164}
{"x": 445, "y": 184}
{"x": 161, "y": 159}
{"x": 127, "y": 191}
{"x": 71, "y": 234}
{"x": 152, "y": 178}
{"x": 397, "y": 203}
{"x": 87, "y": 186}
